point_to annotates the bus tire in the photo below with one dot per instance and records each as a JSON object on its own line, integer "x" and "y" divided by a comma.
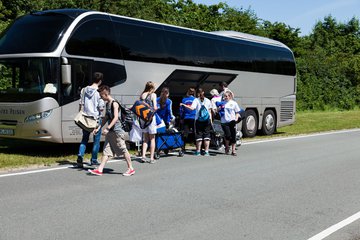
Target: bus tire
{"x": 268, "y": 123}
{"x": 250, "y": 123}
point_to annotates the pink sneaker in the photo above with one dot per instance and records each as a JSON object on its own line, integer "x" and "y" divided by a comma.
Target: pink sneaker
{"x": 95, "y": 172}
{"x": 129, "y": 172}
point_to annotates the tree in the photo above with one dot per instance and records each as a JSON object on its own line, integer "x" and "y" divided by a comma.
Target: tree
{"x": 282, "y": 33}
{"x": 328, "y": 68}
{"x": 328, "y": 60}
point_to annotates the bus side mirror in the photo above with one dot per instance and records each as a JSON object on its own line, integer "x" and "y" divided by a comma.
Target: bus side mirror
{"x": 65, "y": 71}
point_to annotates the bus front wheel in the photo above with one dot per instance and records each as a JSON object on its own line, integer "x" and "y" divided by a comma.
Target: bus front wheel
{"x": 250, "y": 123}
{"x": 268, "y": 123}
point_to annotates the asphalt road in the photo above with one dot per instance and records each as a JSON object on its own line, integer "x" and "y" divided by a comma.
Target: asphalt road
{"x": 280, "y": 189}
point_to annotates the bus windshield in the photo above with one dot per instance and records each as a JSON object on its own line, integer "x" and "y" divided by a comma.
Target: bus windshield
{"x": 28, "y": 79}
{"x": 34, "y": 33}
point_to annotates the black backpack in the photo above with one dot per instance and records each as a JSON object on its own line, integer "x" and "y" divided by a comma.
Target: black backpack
{"x": 126, "y": 117}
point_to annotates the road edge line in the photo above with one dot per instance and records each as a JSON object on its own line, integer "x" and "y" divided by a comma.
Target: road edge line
{"x": 336, "y": 227}
{"x": 244, "y": 143}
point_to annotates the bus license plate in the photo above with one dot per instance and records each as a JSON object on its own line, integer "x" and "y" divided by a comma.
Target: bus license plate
{"x": 6, "y": 131}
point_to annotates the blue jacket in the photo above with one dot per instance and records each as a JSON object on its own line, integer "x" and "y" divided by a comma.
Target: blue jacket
{"x": 187, "y": 113}
{"x": 221, "y": 107}
{"x": 166, "y": 112}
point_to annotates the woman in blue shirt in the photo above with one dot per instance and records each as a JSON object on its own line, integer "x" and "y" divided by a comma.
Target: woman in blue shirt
{"x": 165, "y": 107}
{"x": 187, "y": 116}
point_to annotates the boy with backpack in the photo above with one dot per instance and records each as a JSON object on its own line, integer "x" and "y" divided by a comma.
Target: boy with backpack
{"x": 114, "y": 134}
{"x": 203, "y": 107}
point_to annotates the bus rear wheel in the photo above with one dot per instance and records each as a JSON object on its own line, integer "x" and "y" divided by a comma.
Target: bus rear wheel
{"x": 268, "y": 123}
{"x": 250, "y": 123}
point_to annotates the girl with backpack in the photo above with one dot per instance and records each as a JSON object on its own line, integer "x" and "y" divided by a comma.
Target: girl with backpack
{"x": 149, "y": 96}
{"x": 203, "y": 108}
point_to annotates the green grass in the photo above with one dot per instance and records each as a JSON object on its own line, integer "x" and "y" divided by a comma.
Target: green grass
{"x": 311, "y": 122}
{"x": 20, "y": 153}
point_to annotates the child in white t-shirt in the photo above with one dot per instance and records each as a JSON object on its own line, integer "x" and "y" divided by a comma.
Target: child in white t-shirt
{"x": 229, "y": 117}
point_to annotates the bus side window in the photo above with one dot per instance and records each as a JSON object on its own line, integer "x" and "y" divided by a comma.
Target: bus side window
{"x": 79, "y": 78}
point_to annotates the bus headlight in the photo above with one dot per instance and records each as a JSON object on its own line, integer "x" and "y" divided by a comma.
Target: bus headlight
{"x": 38, "y": 116}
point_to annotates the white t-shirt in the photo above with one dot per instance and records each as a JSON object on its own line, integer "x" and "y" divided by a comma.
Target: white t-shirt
{"x": 197, "y": 105}
{"x": 214, "y": 100}
{"x": 230, "y": 110}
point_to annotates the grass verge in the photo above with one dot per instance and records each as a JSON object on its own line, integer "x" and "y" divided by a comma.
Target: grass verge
{"x": 23, "y": 154}
{"x": 311, "y": 122}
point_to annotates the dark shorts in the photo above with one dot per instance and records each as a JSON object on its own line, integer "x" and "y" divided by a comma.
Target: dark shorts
{"x": 202, "y": 130}
{"x": 188, "y": 127}
{"x": 229, "y": 131}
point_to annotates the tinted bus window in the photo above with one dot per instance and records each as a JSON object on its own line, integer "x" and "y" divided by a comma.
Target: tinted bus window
{"x": 141, "y": 42}
{"x": 95, "y": 38}
{"x": 237, "y": 56}
{"x": 286, "y": 63}
{"x": 179, "y": 46}
{"x": 34, "y": 33}
{"x": 265, "y": 60}
{"x": 206, "y": 51}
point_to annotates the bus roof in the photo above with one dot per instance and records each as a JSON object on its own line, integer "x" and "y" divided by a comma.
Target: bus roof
{"x": 227, "y": 33}
{"x": 250, "y": 37}
{"x": 73, "y": 13}
{"x": 77, "y": 14}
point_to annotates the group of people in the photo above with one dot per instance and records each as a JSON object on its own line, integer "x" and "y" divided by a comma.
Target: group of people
{"x": 201, "y": 111}
{"x": 92, "y": 103}
{"x": 196, "y": 114}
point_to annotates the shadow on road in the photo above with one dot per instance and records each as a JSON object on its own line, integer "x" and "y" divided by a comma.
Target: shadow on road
{"x": 35, "y": 148}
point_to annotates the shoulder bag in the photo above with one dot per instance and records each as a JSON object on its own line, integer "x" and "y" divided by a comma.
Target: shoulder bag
{"x": 85, "y": 122}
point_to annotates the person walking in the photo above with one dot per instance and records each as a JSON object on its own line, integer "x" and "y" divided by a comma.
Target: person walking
{"x": 203, "y": 121}
{"x": 114, "y": 135}
{"x": 92, "y": 105}
{"x": 164, "y": 105}
{"x": 187, "y": 116}
{"x": 229, "y": 112}
{"x": 149, "y": 96}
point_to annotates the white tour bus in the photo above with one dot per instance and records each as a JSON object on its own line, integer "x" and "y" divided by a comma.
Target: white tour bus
{"x": 47, "y": 57}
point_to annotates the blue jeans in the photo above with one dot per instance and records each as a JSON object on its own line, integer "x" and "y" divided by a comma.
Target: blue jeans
{"x": 96, "y": 144}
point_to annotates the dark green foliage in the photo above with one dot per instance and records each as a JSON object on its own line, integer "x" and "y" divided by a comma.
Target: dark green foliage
{"x": 329, "y": 66}
{"x": 328, "y": 60}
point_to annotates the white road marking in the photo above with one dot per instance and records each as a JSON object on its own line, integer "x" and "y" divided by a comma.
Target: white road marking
{"x": 44, "y": 170}
{"x": 33, "y": 171}
{"x": 245, "y": 143}
{"x": 301, "y": 136}
{"x": 336, "y": 227}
